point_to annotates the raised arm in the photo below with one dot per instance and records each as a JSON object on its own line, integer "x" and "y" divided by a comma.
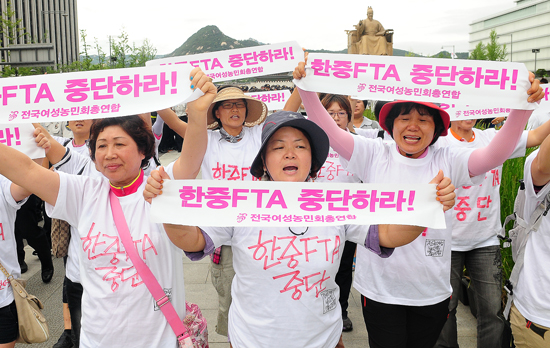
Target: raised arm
{"x": 54, "y": 150}
{"x": 294, "y": 102}
{"x": 536, "y": 136}
{"x": 188, "y": 165}
{"x": 22, "y": 171}
{"x": 173, "y": 121}
{"x": 505, "y": 141}
{"x": 20, "y": 193}
{"x": 540, "y": 167}
{"x": 340, "y": 140}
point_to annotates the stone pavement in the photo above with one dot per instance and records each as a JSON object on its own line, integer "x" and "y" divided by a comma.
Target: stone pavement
{"x": 199, "y": 289}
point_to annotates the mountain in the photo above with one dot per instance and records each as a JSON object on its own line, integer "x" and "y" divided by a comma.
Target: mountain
{"x": 211, "y": 39}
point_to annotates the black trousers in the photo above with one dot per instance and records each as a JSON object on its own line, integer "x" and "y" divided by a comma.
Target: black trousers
{"x": 397, "y": 326}
{"x": 74, "y": 300}
{"x": 344, "y": 276}
{"x": 26, "y": 227}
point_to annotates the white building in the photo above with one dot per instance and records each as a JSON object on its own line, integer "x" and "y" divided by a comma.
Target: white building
{"x": 522, "y": 28}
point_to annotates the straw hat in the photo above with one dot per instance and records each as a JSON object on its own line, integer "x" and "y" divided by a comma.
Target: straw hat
{"x": 256, "y": 109}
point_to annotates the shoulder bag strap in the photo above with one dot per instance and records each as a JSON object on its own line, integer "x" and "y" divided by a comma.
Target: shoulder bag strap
{"x": 145, "y": 273}
{"x": 8, "y": 276}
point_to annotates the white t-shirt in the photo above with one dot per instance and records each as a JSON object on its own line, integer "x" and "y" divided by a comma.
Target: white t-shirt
{"x": 73, "y": 163}
{"x": 476, "y": 214}
{"x": 538, "y": 117}
{"x": 333, "y": 171}
{"x": 231, "y": 161}
{"x": 152, "y": 164}
{"x": 284, "y": 293}
{"x": 82, "y": 149}
{"x": 117, "y": 308}
{"x": 373, "y": 134}
{"x": 532, "y": 294}
{"x": 8, "y": 245}
{"x": 418, "y": 273}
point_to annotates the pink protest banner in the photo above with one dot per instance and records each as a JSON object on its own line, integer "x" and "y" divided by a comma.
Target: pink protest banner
{"x": 21, "y": 138}
{"x": 243, "y": 62}
{"x": 458, "y": 83}
{"x": 275, "y": 100}
{"x": 93, "y": 94}
{"x": 238, "y": 203}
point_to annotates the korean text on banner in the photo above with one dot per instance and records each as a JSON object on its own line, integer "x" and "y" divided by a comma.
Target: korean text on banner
{"x": 237, "y": 203}
{"x": 275, "y": 100}
{"x": 21, "y": 138}
{"x": 545, "y": 102}
{"x": 243, "y": 62}
{"x": 93, "y": 94}
{"x": 460, "y": 84}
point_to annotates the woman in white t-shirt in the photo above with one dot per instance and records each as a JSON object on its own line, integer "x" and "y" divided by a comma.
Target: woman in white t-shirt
{"x": 284, "y": 290}
{"x": 12, "y": 197}
{"x": 405, "y": 298}
{"x": 117, "y": 308}
{"x": 530, "y": 312}
{"x": 234, "y": 122}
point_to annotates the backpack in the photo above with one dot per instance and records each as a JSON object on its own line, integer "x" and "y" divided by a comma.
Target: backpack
{"x": 518, "y": 236}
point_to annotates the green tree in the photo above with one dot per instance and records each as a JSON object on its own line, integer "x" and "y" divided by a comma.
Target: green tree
{"x": 85, "y": 59}
{"x": 442, "y": 54}
{"x": 142, "y": 54}
{"x": 120, "y": 50}
{"x": 479, "y": 53}
{"x": 492, "y": 51}
{"x": 10, "y": 29}
{"x": 495, "y": 52}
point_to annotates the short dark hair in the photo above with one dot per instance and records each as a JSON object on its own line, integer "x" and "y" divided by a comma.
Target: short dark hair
{"x": 343, "y": 101}
{"x": 378, "y": 107}
{"x": 218, "y": 104}
{"x": 405, "y": 108}
{"x": 136, "y": 129}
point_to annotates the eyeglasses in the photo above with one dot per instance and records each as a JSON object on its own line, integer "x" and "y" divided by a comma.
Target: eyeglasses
{"x": 340, "y": 114}
{"x": 229, "y": 105}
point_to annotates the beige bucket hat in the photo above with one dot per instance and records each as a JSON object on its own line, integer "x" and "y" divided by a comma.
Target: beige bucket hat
{"x": 256, "y": 109}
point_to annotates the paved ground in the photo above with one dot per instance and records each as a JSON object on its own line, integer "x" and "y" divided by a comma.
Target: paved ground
{"x": 199, "y": 290}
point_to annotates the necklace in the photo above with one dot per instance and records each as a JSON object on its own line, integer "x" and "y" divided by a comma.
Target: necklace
{"x": 298, "y": 234}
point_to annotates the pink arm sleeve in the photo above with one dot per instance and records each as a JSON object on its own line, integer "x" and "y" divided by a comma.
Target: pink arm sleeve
{"x": 340, "y": 140}
{"x": 502, "y": 145}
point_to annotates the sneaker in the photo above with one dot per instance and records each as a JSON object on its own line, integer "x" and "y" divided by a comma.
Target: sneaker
{"x": 348, "y": 325}
{"x": 64, "y": 340}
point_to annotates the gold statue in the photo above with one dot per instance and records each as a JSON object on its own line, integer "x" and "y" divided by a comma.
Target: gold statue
{"x": 370, "y": 37}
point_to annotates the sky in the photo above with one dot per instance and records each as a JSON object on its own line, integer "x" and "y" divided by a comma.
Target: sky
{"x": 421, "y": 26}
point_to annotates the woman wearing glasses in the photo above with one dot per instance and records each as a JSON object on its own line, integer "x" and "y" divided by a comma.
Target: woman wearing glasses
{"x": 234, "y": 138}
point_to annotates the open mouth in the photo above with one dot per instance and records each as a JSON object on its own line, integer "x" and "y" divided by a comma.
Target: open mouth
{"x": 290, "y": 169}
{"x": 411, "y": 139}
